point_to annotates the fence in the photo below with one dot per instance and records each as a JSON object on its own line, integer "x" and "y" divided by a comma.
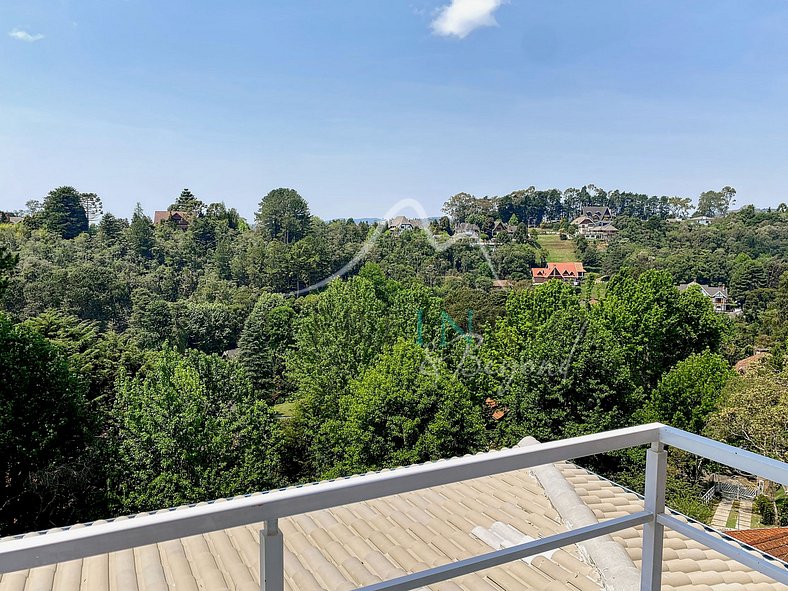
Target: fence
{"x": 29, "y": 552}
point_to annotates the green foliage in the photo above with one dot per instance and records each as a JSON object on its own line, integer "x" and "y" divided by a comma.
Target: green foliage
{"x": 753, "y": 413}
{"x": 283, "y": 215}
{"x": 408, "y": 408}
{"x": 265, "y": 342}
{"x": 8, "y": 261}
{"x": 689, "y": 392}
{"x": 63, "y": 213}
{"x": 656, "y": 325}
{"x": 714, "y": 203}
{"x": 141, "y": 237}
{"x": 45, "y": 435}
{"x": 556, "y": 368}
{"x": 187, "y": 202}
{"x": 764, "y": 506}
{"x": 189, "y": 428}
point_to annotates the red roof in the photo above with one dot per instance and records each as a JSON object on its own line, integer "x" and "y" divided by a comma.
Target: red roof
{"x": 772, "y": 540}
{"x": 562, "y": 269}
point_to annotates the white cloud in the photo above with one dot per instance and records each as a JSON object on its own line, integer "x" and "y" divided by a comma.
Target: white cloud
{"x": 25, "y": 36}
{"x": 461, "y": 17}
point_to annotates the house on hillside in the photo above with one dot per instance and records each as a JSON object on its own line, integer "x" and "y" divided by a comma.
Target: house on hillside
{"x": 718, "y": 295}
{"x": 598, "y": 213}
{"x": 700, "y": 220}
{"x": 465, "y": 230}
{"x": 568, "y": 272}
{"x": 596, "y": 228}
{"x": 8, "y": 218}
{"x": 501, "y": 228}
{"x": 181, "y": 219}
{"x": 402, "y": 224}
{"x": 605, "y": 232}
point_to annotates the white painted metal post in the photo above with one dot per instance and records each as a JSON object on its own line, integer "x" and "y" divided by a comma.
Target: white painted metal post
{"x": 272, "y": 567}
{"x": 653, "y": 532}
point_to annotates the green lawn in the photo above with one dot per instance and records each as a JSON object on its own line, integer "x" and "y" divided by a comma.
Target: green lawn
{"x": 733, "y": 516}
{"x": 558, "y": 251}
{"x": 284, "y": 410}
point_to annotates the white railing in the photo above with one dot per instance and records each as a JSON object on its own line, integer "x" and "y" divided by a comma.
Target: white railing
{"x": 29, "y": 552}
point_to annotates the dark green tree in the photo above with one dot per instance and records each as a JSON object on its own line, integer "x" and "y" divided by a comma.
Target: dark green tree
{"x": 408, "y": 408}
{"x": 190, "y": 428}
{"x": 265, "y": 342}
{"x": 283, "y": 215}
{"x": 46, "y": 472}
{"x": 63, "y": 214}
{"x": 141, "y": 237}
{"x": 187, "y": 202}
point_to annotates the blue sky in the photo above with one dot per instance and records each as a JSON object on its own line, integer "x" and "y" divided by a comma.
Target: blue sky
{"x": 358, "y": 104}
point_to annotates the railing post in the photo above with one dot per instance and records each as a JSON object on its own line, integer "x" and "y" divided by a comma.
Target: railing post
{"x": 653, "y": 532}
{"x": 272, "y": 569}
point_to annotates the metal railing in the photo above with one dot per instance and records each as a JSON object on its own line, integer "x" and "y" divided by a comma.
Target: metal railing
{"x": 30, "y": 552}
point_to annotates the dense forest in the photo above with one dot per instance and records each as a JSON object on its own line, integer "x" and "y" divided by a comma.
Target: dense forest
{"x": 148, "y": 365}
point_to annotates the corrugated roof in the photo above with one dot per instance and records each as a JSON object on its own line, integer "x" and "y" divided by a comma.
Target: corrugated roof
{"x": 361, "y": 543}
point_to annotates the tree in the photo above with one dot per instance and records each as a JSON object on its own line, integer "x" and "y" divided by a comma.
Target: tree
{"x": 688, "y": 393}
{"x": 754, "y": 413}
{"x": 190, "y": 428}
{"x": 265, "y": 341}
{"x": 187, "y": 202}
{"x": 555, "y": 368}
{"x": 283, "y": 215}
{"x": 141, "y": 237}
{"x": 63, "y": 214}
{"x": 8, "y": 261}
{"x": 92, "y": 205}
{"x": 45, "y": 435}
{"x": 399, "y": 413}
{"x": 715, "y": 203}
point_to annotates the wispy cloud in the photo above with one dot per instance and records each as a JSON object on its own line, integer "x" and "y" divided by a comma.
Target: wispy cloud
{"x": 461, "y": 17}
{"x": 25, "y": 36}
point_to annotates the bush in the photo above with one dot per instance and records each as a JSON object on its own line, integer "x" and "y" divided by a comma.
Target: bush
{"x": 764, "y": 506}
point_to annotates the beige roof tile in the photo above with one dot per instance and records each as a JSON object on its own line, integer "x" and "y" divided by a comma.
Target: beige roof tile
{"x": 347, "y": 547}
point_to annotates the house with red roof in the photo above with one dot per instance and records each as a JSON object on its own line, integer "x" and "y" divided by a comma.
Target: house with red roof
{"x": 569, "y": 272}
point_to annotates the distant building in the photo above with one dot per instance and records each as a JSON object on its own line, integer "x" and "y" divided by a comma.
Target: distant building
{"x": 700, "y": 220}
{"x": 598, "y": 213}
{"x": 718, "y": 295}
{"x": 599, "y": 232}
{"x": 501, "y": 228}
{"x": 7, "y": 218}
{"x": 568, "y": 272}
{"x": 179, "y": 218}
{"x": 596, "y": 228}
{"x": 467, "y": 230}
{"x": 401, "y": 224}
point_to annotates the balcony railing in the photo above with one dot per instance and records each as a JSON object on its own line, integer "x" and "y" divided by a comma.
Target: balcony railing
{"x": 30, "y": 552}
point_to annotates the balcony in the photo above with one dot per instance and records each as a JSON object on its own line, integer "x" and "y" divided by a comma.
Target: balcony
{"x": 520, "y": 518}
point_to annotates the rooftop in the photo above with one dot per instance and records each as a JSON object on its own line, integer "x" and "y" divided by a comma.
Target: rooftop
{"x": 773, "y": 540}
{"x": 481, "y": 522}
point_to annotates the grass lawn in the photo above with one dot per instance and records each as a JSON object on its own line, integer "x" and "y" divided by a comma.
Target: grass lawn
{"x": 558, "y": 251}
{"x": 733, "y": 516}
{"x": 284, "y": 410}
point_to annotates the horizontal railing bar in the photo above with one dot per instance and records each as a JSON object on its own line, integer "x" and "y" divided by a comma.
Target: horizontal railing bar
{"x": 499, "y": 557}
{"x": 722, "y": 453}
{"x": 771, "y": 569}
{"x": 121, "y": 534}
